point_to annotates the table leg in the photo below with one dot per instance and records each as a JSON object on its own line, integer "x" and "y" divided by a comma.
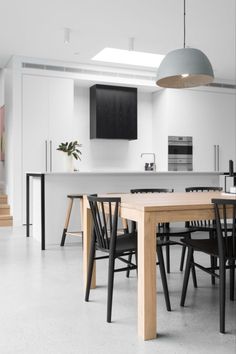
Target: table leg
{"x": 42, "y": 212}
{"x": 147, "y": 277}
{"x": 87, "y": 236}
{"x": 27, "y": 205}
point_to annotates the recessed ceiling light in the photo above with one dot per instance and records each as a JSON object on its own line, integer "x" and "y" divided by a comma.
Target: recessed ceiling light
{"x": 130, "y": 57}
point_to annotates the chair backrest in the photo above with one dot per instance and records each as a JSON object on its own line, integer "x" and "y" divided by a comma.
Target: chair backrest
{"x": 203, "y": 224}
{"x": 152, "y": 190}
{"x": 225, "y": 212}
{"x": 105, "y": 218}
{"x": 203, "y": 189}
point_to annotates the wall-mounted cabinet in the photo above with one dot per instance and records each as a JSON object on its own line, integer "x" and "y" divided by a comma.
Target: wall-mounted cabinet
{"x": 113, "y": 112}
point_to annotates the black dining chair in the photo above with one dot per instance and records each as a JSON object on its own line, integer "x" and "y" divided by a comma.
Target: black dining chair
{"x": 105, "y": 238}
{"x": 223, "y": 247}
{"x": 204, "y": 225}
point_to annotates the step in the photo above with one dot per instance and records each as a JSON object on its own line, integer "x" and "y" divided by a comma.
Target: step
{"x": 4, "y": 209}
{"x": 3, "y": 199}
{"x": 6, "y": 220}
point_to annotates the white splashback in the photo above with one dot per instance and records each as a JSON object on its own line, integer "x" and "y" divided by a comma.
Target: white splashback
{"x": 105, "y": 154}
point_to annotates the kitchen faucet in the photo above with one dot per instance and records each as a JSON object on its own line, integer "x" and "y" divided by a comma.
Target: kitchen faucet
{"x": 150, "y": 166}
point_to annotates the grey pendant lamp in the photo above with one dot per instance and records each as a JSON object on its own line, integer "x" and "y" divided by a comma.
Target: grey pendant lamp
{"x": 185, "y": 67}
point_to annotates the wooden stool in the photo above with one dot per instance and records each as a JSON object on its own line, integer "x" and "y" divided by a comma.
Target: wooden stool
{"x": 71, "y": 198}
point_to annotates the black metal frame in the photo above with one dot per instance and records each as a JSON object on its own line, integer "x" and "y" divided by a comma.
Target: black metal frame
{"x": 105, "y": 218}
{"x": 224, "y": 248}
{"x": 203, "y": 189}
{"x": 42, "y": 179}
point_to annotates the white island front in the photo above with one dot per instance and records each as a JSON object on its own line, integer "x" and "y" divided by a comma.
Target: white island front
{"x": 49, "y": 194}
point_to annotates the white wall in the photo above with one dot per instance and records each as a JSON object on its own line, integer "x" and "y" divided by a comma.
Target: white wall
{"x": 13, "y": 164}
{"x": 208, "y": 116}
{"x": 2, "y": 174}
{"x": 103, "y": 154}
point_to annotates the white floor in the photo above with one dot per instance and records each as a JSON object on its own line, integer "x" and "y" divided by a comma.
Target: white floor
{"x": 42, "y": 308}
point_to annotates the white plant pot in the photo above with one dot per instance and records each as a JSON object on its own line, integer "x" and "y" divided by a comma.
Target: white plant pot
{"x": 68, "y": 163}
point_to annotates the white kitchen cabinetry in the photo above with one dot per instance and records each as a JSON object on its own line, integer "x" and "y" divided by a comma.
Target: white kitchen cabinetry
{"x": 207, "y": 116}
{"x": 48, "y": 120}
{"x": 214, "y": 143}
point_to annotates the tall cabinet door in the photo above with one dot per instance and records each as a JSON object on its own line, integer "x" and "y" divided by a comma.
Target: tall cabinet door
{"x": 35, "y": 124}
{"x": 62, "y": 123}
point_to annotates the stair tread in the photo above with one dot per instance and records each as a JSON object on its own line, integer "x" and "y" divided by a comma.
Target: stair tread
{"x": 2, "y": 217}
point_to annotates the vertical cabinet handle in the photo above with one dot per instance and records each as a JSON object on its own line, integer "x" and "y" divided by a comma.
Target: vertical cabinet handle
{"x": 214, "y": 157}
{"x": 46, "y": 156}
{"x": 218, "y": 157}
{"x": 50, "y": 155}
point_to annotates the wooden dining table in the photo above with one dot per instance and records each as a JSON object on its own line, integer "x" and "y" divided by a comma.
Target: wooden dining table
{"x": 148, "y": 210}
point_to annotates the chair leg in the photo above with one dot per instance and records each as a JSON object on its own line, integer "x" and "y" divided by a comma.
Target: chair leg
{"x": 222, "y": 296}
{"x": 167, "y": 255}
{"x": 182, "y": 258}
{"x": 232, "y": 275}
{"x": 90, "y": 270}
{"x": 212, "y": 258}
{"x": 194, "y": 274}
{"x": 128, "y": 270}
{"x": 163, "y": 277}
{"x": 212, "y": 261}
{"x": 136, "y": 260}
{"x": 186, "y": 275}
{"x": 110, "y": 286}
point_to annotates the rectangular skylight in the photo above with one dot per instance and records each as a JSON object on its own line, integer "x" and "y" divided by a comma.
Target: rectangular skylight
{"x": 130, "y": 57}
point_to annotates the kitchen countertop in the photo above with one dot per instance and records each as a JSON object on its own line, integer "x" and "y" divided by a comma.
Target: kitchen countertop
{"x": 117, "y": 172}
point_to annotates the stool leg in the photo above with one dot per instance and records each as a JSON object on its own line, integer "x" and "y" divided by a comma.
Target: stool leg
{"x": 63, "y": 238}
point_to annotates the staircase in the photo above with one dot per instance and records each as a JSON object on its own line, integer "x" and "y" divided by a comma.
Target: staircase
{"x": 5, "y": 217}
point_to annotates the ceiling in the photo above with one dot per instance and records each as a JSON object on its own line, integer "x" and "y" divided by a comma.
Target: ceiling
{"x": 36, "y": 29}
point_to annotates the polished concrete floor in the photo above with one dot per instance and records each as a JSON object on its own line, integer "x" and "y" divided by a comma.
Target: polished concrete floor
{"x": 42, "y": 308}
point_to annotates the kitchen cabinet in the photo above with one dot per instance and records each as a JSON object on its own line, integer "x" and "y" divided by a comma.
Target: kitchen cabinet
{"x": 47, "y": 120}
{"x": 206, "y": 116}
{"x": 113, "y": 112}
{"x": 214, "y": 145}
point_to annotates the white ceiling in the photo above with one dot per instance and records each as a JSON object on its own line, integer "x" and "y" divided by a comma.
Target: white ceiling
{"x": 36, "y": 29}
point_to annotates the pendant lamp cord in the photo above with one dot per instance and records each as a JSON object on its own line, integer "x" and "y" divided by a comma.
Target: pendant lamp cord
{"x": 184, "y": 21}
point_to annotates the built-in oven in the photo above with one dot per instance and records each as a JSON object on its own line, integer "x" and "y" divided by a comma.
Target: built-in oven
{"x": 180, "y": 153}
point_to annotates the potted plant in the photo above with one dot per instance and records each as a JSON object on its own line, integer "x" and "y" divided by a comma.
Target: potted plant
{"x": 72, "y": 151}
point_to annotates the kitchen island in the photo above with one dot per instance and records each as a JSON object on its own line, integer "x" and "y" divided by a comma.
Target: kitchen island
{"x": 46, "y": 195}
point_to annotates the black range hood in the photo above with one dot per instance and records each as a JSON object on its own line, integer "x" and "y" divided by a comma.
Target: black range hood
{"x": 113, "y": 112}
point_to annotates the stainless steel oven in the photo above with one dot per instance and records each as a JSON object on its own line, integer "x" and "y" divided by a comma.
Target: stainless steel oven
{"x": 180, "y": 153}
